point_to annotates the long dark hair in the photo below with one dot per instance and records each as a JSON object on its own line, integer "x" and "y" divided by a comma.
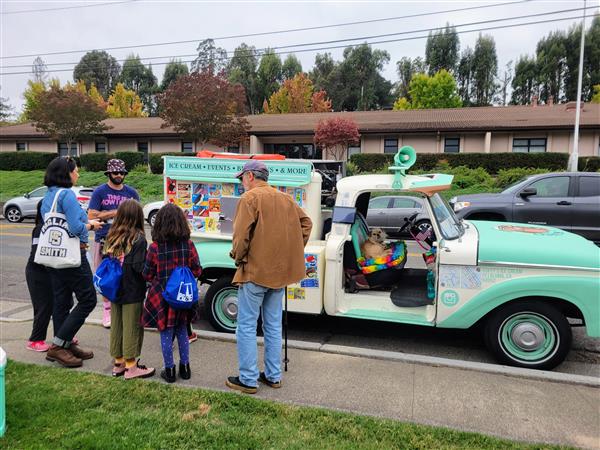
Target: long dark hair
{"x": 170, "y": 225}
{"x": 58, "y": 172}
{"x": 126, "y": 228}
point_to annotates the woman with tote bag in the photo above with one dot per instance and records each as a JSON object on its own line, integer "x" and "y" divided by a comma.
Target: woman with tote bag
{"x": 65, "y": 228}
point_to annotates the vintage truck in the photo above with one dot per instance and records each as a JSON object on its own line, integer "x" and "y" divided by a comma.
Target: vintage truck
{"x": 524, "y": 285}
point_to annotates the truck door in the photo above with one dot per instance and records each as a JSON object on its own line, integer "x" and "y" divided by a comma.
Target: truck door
{"x": 552, "y": 203}
{"x": 586, "y": 207}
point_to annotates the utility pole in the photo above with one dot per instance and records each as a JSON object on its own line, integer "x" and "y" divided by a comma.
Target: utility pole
{"x": 575, "y": 155}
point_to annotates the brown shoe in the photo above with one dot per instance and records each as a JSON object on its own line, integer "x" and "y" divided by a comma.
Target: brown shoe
{"x": 78, "y": 352}
{"x": 63, "y": 356}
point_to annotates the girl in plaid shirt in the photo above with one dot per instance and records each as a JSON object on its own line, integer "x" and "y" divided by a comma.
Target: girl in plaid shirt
{"x": 171, "y": 248}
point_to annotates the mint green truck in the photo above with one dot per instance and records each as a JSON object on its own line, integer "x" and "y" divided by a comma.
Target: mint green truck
{"x": 524, "y": 285}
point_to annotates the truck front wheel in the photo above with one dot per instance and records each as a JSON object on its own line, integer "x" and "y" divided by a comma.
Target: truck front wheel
{"x": 528, "y": 334}
{"x": 221, "y": 305}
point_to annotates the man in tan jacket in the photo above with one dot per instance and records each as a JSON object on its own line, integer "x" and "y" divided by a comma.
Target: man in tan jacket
{"x": 269, "y": 234}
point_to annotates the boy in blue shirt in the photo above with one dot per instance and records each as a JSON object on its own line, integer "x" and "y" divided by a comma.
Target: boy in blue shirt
{"x": 103, "y": 206}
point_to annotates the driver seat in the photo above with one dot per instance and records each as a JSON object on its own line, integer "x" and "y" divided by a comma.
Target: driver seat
{"x": 355, "y": 279}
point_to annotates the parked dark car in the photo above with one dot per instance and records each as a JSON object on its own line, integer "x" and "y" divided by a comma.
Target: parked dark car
{"x": 389, "y": 211}
{"x": 570, "y": 201}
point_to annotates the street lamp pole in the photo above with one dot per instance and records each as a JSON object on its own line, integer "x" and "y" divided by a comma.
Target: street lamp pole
{"x": 575, "y": 154}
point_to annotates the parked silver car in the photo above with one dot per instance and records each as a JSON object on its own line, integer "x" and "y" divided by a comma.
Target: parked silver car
{"x": 389, "y": 211}
{"x": 18, "y": 208}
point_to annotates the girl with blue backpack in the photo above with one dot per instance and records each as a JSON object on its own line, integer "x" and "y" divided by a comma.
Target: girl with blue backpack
{"x": 172, "y": 267}
{"x": 124, "y": 255}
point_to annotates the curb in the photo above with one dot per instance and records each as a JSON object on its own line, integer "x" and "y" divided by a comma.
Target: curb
{"x": 433, "y": 361}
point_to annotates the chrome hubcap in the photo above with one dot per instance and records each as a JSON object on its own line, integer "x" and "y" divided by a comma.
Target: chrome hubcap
{"x": 229, "y": 307}
{"x": 13, "y": 214}
{"x": 527, "y": 336}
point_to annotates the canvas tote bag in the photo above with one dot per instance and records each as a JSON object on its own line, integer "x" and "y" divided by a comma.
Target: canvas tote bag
{"x": 57, "y": 247}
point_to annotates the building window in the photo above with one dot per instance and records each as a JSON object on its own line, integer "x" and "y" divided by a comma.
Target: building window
{"x": 21, "y": 146}
{"x": 100, "y": 147}
{"x": 233, "y": 148}
{"x": 143, "y": 147}
{"x": 187, "y": 147}
{"x": 63, "y": 149}
{"x": 294, "y": 151}
{"x": 353, "y": 150}
{"x": 390, "y": 145}
{"x": 452, "y": 145}
{"x": 526, "y": 145}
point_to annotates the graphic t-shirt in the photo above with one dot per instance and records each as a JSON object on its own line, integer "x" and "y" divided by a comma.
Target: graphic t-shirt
{"x": 106, "y": 198}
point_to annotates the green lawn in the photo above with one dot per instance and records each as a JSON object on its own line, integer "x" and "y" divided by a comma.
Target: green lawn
{"x": 58, "y": 408}
{"x": 15, "y": 182}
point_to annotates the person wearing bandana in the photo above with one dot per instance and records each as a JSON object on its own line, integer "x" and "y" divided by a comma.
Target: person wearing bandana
{"x": 103, "y": 206}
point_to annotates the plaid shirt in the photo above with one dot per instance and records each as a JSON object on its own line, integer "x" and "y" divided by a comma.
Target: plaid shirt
{"x": 161, "y": 260}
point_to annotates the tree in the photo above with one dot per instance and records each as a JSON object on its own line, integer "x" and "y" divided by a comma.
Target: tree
{"x": 268, "y": 74}
{"x": 591, "y": 61}
{"x": 210, "y": 57}
{"x": 406, "y": 69}
{"x": 31, "y": 96}
{"x": 335, "y": 135}
{"x": 524, "y": 83}
{"x": 141, "y": 80}
{"x": 98, "y": 68}
{"x": 173, "y": 70}
{"x": 242, "y": 69}
{"x": 503, "y": 84}
{"x": 592, "y": 57}
{"x": 441, "y": 50}
{"x": 5, "y": 111}
{"x": 124, "y": 103}
{"x": 297, "y": 96}
{"x": 291, "y": 66}
{"x": 464, "y": 73}
{"x": 323, "y": 71}
{"x": 551, "y": 65}
{"x": 596, "y": 95}
{"x": 485, "y": 70}
{"x": 359, "y": 84}
{"x": 438, "y": 91}
{"x": 206, "y": 107}
{"x": 92, "y": 92}
{"x": 38, "y": 70}
{"x": 67, "y": 115}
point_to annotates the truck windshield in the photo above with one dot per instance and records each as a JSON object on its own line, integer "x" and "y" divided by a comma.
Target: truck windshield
{"x": 450, "y": 226}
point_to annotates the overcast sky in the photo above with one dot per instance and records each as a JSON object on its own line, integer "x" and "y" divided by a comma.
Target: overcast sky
{"x": 69, "y": 25}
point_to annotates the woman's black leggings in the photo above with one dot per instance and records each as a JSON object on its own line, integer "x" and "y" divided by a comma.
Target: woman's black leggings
{"x": 42, "y": 298}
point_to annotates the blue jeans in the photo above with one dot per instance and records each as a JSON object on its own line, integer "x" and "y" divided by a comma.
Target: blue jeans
{"x": 251, "y": 298}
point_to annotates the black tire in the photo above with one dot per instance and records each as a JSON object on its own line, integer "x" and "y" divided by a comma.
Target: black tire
{"x": 152, "y": 218}
{"x": 13, "y": 214}
{"x": 528, "y": 333}
{"x": 220, "y": 305}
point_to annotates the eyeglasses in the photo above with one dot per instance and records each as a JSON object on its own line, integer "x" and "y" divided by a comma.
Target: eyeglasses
{"x": 119, "y": 173}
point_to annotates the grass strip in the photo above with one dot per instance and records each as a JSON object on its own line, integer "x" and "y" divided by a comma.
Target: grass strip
{"x": 59, "y": 408}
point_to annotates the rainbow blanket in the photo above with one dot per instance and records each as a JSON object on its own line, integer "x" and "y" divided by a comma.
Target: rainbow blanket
{"x": 397, "y": 257}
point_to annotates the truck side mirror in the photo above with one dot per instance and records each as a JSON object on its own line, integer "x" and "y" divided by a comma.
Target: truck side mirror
{"x": 528, "y": 192}
{"x": 26, "y": 195}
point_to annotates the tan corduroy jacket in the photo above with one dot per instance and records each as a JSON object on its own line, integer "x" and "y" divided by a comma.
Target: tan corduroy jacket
{"x": 269, "y": 234}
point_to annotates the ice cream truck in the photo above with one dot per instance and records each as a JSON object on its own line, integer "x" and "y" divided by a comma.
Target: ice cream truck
{"x": 524, "y": 285}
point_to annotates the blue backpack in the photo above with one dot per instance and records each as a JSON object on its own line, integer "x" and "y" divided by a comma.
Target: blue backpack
{"x": 181, "y": 290}
{"x": 107, "y": 278}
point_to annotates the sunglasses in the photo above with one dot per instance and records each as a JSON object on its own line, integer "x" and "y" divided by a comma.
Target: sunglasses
{"x": 119, "y": 173}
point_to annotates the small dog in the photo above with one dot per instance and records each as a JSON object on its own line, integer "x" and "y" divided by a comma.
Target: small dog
{"x": 374, "y": 246}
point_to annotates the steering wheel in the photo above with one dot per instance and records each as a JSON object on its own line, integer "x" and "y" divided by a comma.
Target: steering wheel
{"x": 409, "y": 222}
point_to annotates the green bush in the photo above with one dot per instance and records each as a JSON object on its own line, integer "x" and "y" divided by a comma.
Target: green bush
{"x": 589, "y": 163}
{"x": 156, "y": 161}
{"x": 25, "y": 160}
{"x": 506, "y": 177}
{"x": 94, "y": 162}
{"x": 372, "y": 162}
{"x": 464, "y": 177}
{"x": 131, "y": 159}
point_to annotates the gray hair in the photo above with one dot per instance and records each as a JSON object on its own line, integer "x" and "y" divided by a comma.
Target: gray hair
{"x": 261, "y": 174}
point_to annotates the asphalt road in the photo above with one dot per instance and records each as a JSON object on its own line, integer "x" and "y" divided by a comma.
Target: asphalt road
{"x": 467, "y": 345}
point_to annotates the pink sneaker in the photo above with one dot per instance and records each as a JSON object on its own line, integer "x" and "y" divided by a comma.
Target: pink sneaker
{"x": 118, "y": 370}
{"x": 37, "y": 346}
{"x": 192, "y": 337}
{"x": 106, "y": 315}
{"x": 138, "y": 371}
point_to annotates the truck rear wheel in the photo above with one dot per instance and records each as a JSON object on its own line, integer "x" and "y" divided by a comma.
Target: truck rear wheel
{"x": 528, "y": 334}
{"x": 221, "y": 304}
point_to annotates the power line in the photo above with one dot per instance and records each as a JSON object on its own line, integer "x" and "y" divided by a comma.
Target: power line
{"x": 267, "y": 33}
{"x": 258, "y": 52}
{"x": 410, "y": 38}
{"x": 60, "y": 8}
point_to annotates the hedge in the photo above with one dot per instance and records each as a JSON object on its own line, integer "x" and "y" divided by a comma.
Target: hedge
{"x": 156, "y": 161}
{"x": 95, "y": 162}
{"x": 589, "y": 163}
{"x": 25, "y": 160}
{"x": 131, "y": 159}
{"x": 491, "y": 162}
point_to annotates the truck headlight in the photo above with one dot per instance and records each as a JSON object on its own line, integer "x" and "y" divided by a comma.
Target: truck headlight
{"x": 461, "y": 205}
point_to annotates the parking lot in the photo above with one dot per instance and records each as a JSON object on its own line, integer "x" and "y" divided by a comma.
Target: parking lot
{"x": 465, "y": 345}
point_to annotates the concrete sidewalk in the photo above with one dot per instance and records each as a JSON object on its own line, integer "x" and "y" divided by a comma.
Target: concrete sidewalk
{"x": 506, "y": 406}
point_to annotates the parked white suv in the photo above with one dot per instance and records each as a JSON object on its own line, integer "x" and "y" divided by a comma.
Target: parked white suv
{"x": 18, "y": 208}
{"x": 150, "y": 211}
